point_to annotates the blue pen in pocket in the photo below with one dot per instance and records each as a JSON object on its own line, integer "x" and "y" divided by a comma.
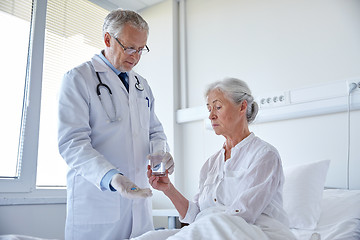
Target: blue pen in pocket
{"x": 148, "y": 101}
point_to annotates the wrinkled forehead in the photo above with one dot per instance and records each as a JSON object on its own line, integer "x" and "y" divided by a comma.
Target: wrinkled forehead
{"x": 216, "y": 95}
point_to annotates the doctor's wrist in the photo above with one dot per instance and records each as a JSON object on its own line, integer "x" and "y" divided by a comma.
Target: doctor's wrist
{"x": 106, "y": 180}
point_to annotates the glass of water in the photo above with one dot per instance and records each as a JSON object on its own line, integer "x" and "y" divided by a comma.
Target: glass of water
{"x": 158, "y": 150}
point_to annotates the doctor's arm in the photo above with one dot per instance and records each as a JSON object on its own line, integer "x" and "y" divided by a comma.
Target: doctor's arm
{"x": 75, "y": 143}
{"x": 74, "y": 130}
{"x": 156, "y": 131}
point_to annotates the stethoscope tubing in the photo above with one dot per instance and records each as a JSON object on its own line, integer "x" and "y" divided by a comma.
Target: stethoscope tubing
{"x": 101, "y": 84}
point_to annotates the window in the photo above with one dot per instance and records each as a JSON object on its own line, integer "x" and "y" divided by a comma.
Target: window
{"x": 62, "y": 35}
{"x": 73, "y": 35}
{"x": 14, "y": 48}
{"x": 13, "y": 73}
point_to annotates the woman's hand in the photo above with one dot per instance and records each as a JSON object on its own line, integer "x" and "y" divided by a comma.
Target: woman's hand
{"x": 161, "y": 183}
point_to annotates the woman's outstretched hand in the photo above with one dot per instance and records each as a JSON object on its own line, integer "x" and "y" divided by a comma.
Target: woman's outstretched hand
{"x": 164, "y": 184}
{"x": 161, "y": 183}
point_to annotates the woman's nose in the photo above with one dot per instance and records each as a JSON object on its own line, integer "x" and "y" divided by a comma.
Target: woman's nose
{"x": 211, "y": 115}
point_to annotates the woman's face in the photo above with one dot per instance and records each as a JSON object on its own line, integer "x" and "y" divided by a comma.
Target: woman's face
{"x": 225, "y": 116}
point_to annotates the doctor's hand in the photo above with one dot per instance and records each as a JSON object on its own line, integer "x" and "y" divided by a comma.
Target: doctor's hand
{"x": 169, "y": 163}
{"x": 128, "y": 189}
{"x": 167, "y": 159}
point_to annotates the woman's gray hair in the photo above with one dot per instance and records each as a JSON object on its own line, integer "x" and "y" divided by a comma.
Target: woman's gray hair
{"x": 116, "y": 19}
{"x": 236, "y": 91}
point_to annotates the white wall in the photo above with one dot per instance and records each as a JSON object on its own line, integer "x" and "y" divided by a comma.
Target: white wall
{"x": 274, "y": 45}
{"x": 42, "y": 220}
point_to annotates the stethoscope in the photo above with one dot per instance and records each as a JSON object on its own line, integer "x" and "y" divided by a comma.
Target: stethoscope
{"x": 138, "y": 85}
{"x": 103, "y": 85}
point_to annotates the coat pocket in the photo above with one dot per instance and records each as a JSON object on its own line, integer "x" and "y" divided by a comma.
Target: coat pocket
{"x": 144, "y": 112}
{"x": 93, "y": 206}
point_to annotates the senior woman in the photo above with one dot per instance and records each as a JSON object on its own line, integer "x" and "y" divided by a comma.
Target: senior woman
{"x": 240, "y": 190}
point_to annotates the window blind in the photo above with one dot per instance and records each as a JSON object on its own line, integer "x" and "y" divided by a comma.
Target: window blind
{"x": 73, "y": 35}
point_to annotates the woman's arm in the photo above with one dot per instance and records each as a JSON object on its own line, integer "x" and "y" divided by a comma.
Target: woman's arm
{"x": 261, "y": 182}
{"x": 164, "y": 184}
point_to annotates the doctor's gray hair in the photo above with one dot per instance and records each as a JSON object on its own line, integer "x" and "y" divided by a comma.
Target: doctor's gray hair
{"x": 116, "y": 19}
{"x": 236, "y": 91}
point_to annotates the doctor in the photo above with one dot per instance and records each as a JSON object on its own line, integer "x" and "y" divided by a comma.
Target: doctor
{"x": 106, "y": 120}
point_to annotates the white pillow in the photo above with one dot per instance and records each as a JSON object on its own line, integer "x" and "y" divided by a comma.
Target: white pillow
{"x": 339, "y": 206}
{"x": 302, "y": 193}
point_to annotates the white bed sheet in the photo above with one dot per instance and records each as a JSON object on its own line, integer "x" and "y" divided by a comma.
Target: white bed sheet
{"x": 340, "y": 216}
{"x": 214, "y": 223}
{"x": 339, "y": 219}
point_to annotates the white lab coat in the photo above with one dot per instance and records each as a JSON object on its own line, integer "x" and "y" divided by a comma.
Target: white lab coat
{"x": 92, "y": 145}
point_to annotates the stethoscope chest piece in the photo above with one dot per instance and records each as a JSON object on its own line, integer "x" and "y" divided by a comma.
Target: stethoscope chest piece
{"x": 138, "y": 85}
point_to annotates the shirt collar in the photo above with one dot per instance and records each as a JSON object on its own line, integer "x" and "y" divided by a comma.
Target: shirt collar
{"x": 243, "y": 142}
{"x": 101, "y": 55}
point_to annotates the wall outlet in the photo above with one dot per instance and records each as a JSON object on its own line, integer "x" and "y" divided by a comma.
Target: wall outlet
{"x": 273, "y": 100}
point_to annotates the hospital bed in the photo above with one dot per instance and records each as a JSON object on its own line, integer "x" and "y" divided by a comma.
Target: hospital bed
{"x": 315, "y": 212}
{"x": 329, "y": 213}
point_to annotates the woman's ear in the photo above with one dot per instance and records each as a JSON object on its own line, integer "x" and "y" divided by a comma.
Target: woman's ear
{"x": 243, "y": 106}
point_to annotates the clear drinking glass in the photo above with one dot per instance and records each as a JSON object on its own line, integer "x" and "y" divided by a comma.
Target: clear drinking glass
{"x": 157, "y": 152}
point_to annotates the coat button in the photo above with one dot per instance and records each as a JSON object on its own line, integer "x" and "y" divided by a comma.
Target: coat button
{"x": 214, "y": 199}
{"x": 237, "y": 210}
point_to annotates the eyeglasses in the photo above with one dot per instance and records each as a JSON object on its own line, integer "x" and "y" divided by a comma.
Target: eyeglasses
{"x": 129, "y": 50}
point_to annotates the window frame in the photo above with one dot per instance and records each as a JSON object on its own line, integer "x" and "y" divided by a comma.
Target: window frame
{"x": 25, "y": 184}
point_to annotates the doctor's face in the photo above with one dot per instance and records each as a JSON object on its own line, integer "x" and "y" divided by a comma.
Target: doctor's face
{"x": 129, "y": 38}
